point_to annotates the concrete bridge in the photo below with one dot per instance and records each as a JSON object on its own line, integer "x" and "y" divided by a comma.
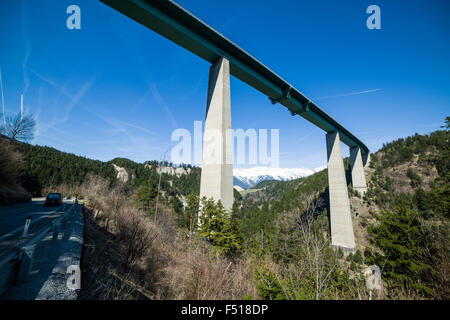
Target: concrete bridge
{"x": 177, "y": 24}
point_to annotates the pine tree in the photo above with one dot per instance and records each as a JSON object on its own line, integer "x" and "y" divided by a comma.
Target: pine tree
{"x": 146, "y": 195}
{"x": 191, "y": 211}
{"x": 217, "y": 228}
{"x": 400, "y": 235}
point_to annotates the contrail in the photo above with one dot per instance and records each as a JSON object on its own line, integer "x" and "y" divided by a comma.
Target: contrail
{"x": 3, "y": 99}
{"x": 163, "y": 104}
{"x": 21, "y": 107}
{"x": 27, "y": 47}
{"x": 347, "y": 94}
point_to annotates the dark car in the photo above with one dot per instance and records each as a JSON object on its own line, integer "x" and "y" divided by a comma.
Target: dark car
{"x": 53, "y": 199}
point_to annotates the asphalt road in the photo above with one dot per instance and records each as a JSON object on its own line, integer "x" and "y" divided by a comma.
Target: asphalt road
{"x": 12, "y": 220}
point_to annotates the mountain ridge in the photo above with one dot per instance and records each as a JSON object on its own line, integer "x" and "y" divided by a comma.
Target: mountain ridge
{"x": 249, "y": 177}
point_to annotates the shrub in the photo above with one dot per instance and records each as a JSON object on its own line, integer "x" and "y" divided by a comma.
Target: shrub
{"x": 10, "y": 162}
{"x": 135, "y": 233}
{"x": 414, "y": 177}
{"x": 400, "y": 235}
{"x": 216, "y": 227}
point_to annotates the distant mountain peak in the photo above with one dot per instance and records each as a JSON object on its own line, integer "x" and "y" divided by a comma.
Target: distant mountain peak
{"x": 247, "y": 178}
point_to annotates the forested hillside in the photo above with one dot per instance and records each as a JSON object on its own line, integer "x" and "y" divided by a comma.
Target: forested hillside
{"x": 276, "y": 239}
{"x": 409, "y": 185}
{"x": 42, "y": 169}
{"x": 46, "y": 167}
{"x": 401, "y": 224}
{"x": 10, "y": 163}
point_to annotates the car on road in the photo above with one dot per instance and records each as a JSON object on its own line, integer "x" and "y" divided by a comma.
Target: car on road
{"x": 53, "y": 199}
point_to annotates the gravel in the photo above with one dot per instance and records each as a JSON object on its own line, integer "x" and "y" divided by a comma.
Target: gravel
{"x": 48, "y": 277}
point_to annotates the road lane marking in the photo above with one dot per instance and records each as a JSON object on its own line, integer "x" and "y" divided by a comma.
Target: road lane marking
{"x": 34, "y": 201}
{"x": 32, "y": 222}
{"x": 22, "y": 207}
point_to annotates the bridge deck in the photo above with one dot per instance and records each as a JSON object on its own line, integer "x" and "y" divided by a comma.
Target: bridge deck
{"x": 177, "y": 24}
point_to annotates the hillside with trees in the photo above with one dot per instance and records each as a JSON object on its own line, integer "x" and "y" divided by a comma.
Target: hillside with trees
{"x": 42, "y": 169}
{"x": 276, "y": 240}
{"x": 401, "y": 224}
{"x": 13, "y": 128}
{"x": 10, "y": 164}
{"x": 274, "y": 244}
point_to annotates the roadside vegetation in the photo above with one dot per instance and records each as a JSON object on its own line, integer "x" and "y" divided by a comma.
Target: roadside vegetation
{"x": 153, "y": 238}
{"x": 11, "y": 162}
{"x": 151, "y": 257}
{"x": 12, "y": 129}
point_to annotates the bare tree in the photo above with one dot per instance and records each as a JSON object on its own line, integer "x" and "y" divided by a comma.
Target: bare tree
{"x": 315, "y": 246}
{"x": 135, "y": 234}
{"x": 19, "y": 127}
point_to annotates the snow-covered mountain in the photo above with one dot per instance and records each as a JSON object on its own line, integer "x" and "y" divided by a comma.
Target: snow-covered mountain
{"x": 247, "y": 178}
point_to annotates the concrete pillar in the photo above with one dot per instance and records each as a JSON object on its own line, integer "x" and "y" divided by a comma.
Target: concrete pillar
{"x": 340, "y": 216}
{"x": 366, "y": 160}
{"x": 357, "y": 169}
{"x": 217, "y": 163}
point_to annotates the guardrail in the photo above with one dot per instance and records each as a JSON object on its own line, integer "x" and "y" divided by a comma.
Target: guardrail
{"x": 16, "y": 265}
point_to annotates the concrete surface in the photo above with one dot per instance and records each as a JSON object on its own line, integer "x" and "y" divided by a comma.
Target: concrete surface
{"x": 12, "y": 220}
{"x": 13, "y": 217}
{"x": 340, "y": 216}
{"x": 357, "y": 169}
{"x": 217, "y": 164}
{"x": 48, "y": 277}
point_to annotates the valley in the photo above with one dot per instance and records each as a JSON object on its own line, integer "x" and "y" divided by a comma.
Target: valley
{"x": 261, "y": 242}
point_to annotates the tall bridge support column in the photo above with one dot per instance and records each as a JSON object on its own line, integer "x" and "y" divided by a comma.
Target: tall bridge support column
{"x": 217, "y": 163}
{"x": 357, "y": 169}
{"x": 340, "y": 216}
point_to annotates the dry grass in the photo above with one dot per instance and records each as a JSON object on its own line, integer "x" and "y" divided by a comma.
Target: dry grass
{"x": 105, "y": 275}
{"x": 129, "y": 255}
{"x": 64, "y": 189}
{"x": 10, "y": 163}
{"x": 428, "y": 173}
{"x": 194, "y": 273}
{"x": 13, "y": 195}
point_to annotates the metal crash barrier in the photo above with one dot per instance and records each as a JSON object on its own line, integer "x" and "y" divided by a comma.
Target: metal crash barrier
{"x": 16, "y": 264}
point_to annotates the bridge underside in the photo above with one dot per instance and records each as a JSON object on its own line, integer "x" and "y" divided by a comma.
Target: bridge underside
{"x": 175, "y": 23}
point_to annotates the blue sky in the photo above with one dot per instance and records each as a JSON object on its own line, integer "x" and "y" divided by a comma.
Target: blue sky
{"x": 115, "y": 88}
